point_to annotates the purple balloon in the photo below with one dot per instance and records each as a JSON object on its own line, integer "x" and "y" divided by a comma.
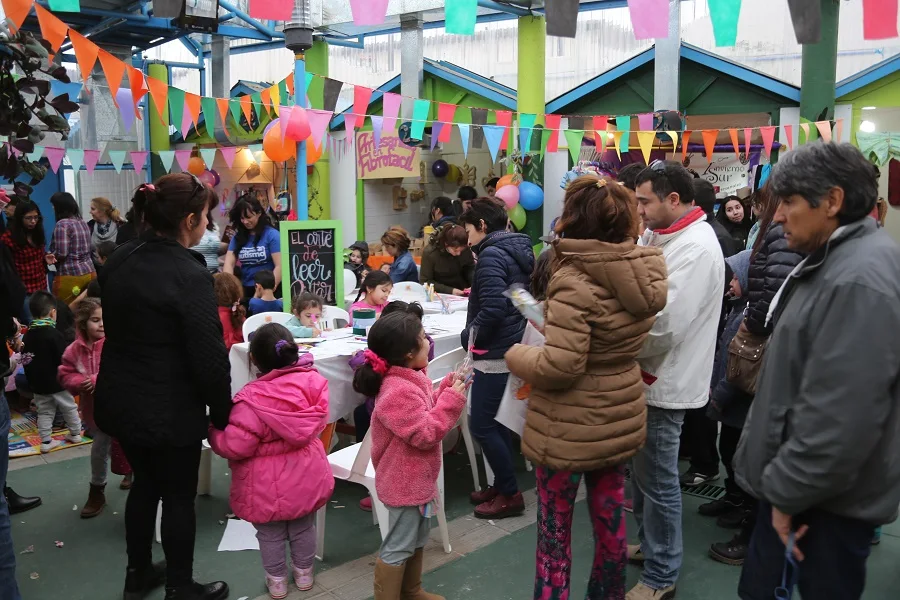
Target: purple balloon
{"x": 440, "y": 168}
{"x": 272, "y": 124}
{"x": 216, "y": 175}
{"x": 207, "y": 178}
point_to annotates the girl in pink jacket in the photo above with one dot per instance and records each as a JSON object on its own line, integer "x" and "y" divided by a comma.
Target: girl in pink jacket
{"x": 280, "y": 476}
{"x": 78, "y": 374}
{"x": 408, "y": 424}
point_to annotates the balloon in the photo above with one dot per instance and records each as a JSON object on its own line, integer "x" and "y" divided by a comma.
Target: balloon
{"x": 217, "y": 177}
{"x": 207, "y": 178}
{"x": 509, "y": 194}
{"x": 277, "y": 149}
{"x": 271, "y": 124}
{"x": 517, "y": 216}
{"x": 531, "y": 196}
{"x": 313, "y": 154}
{"x": 440, "y": 168}
{"x": 196, "y": 166}
{"x": 454, "y": 173}
{"x": 512, "y": 179}
{"x": 298, "y": 127}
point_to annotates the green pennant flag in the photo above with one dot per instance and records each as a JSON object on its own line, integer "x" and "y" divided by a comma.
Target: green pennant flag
{"x": 724, "y": 16}
{"x": 209, "y": 114}
{"x": 176, "y": 106}
{"x": 236, "y": 111}
{"x": 309, "y": 78}
{"x": 256, "y": 99}
{"x": 286, "y": 98}
{"x": 623, "y": 124}
{"x": 574, "y": 137}
{"x": 209, "y": 156}
{"x": 545, "y": 139}
{"x": 420, "y": 117}
{"x": 117, "y": 158}
{"x": 166, "y": 157}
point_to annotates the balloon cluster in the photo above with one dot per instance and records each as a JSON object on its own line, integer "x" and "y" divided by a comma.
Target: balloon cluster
{"x": 280, "y": 148}
{"x": 197, "y": 167}
{"x": 519, "y": 196}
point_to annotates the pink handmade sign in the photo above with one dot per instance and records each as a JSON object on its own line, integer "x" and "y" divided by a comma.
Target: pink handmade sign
{"x": 388, "y": 158}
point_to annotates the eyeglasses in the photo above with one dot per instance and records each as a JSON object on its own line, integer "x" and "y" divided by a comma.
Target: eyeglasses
{"x": 33, "y": 219}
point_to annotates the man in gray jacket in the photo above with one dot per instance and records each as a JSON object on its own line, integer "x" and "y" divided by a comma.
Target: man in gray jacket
{"x": 821, "y": 445}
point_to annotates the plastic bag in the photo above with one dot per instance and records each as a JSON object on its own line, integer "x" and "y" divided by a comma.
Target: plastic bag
{"x": 526, "y": 304}
{"x": 514, "y": 404}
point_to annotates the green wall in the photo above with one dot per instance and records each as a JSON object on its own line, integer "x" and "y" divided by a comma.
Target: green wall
{"x": 882, "y": 93}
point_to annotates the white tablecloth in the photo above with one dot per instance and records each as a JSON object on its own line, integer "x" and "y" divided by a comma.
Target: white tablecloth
{"x": 456, "y": 304}
{"x": 332, "y": 360}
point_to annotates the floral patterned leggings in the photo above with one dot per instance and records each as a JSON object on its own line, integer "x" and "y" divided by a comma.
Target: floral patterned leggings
{"x": 556, "y": 503}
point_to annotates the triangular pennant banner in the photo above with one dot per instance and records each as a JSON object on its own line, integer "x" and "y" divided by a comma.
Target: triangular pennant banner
{"x": 390, "y": 108}
{"x": 377, "y": 127}
{"x": 768, "y": 136}
{"x": 318, "y": 124}
{"x": 493, "y": 134}
{"x": 55, "y": 156}
{"x": 838, "y": 131}
{"x": 76, "y": 157}
{"x": 271, "y": 10}
{"x": 599, "y": 124}
{"x": 553, "y": 122}
{"x": 72, "y": 6}
{"x": 117, "y": 158}
{"x": 464, "y": 138}
{"x": 623, "y": 124}
{"x": 649, "y": 18}
{"x": 275, "y": 95}
{"x": 72, "y": 90}
{"x": 419, "y": 118}
{"x": 366, "y": 12}
{"x": 192, "y": 106}
{"x": 574, "y": 138}
{"x": 724, "y": 15}
{"x": 330, "y": 93}
{"x": 459, "y": 16}
{"x": 247, "y": 109}
{"x": 805, "y": 128}
{"x": 645, "y": 141}
{"x": 228, "y": 154}
{"x": 184, "y": 159}
{"x": 436, "y": 129}
{"x": 446, "y": 114}
{"x": 645, "y": 121}
{"x": 256, "y": 152}
{"x": 222, "y": 103}
{"x": 806, "y": 16}
{"x": 748, "y": 136}
{"x": 209, "y": 114}
{"x": 361, "y": 98}
{"x": 209, "y": 156}
{"x": 176, "y": 107}
{"x": 235, "y": 105}
{"x": 33, "y": 156}
{"x": 709, "y": 142}
{"x": 545, "y": 139}
{"x": 674, "y": 136}
{"x": 735, "y": 143}
{"x": 126, "y": 109}
{"x": 789, "y": 136}
{"x": 562, "y": 18}
{"x": 504, "y": 120}
{"x": 309, "y": 78}
{"x": 617, "y": 139}
{"x": 139, "y": 160}
{"x": 159, "y": 93}
{"x": 114, "y": 69}
{"x": 16, "y": 11}
{"x": 685, "y": 138}
{"x": 266, "y": 97}
{"x": 85, "y": 52}
{"x": 52, "y": 29}
{"x": 824, "y": 128}
{"x": 138, "y": 85}
{"x": 526, "y": 125}
{"x": 167, "y": 157}
{"x": 479, "y": 118}
{"x": 91, "y": 158}
{"x": 289, "y": 84}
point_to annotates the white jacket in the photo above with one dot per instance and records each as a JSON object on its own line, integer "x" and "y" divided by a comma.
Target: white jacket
{"x": 680, "y": 349}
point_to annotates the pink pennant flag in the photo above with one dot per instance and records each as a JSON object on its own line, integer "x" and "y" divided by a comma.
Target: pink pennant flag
{"x": 748, "y": 135}
{"x": 768, "y": 136}
{"x": 553, "y": 122}
{"x": 318, "y": 124}
{"x": 91, "y": 158}
{"x": 645, "y": 122}
{"x": 285, "y": 116}
{"x": 271, "y": 10}
{"x": 879, "y": 20}
{"x": 805, "y": 128}
{"x": 139, "y": 159}
{"x": 838, "y": 130}
{"x": 350, "y": 121}
{"x": 368, "y": 12}
{"x": 361, "y": 97}
{"x": 186, "y": 123}
{"x": 390, "y": 104}
{"x": 649, "y": 18}
{"x": 184, "y": 159}
{"x": 228, "y": 154}
{"x": 824, "y": 128}
{"x": 55, "y": 156}
{"x": 446, "y": 112}
{"x": 789, "y": 136}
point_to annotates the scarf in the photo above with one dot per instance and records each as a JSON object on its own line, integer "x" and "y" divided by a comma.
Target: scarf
{"x": 45, "y": 322}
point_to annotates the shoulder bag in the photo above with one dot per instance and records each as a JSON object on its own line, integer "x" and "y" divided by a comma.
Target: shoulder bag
{"x": 745, "y": 354}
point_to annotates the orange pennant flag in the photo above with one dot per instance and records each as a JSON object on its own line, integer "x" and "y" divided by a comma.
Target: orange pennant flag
{"x": 838, "y": 130}
{"x": 52, "y": 29}
{"x": 17, "y": 11}
{"x": 266, "y": 96}
{"x": 824, "y": 128}
{"x": 114, "y": 69}
{"x": 734, "y": 142}
{"x": 685, "y": 138}
{"x": 289, "y": 82}
{"x": 159, "y": 91}
{"x": 248, "y": 111}
{"x": 222, "y": 103}
{"x": 85, "y": 53}
{"x": 192, "y": 102}
{"x": 709, "y": 141}
{"x": 138, "y": 85}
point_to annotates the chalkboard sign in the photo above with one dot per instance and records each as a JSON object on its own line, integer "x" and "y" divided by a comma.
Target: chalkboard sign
{"x": 313, "y": 261}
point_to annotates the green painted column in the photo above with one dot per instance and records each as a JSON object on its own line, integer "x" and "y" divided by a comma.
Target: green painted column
{"x": 159, "y": 133}
{"x": 320, "y": 180}
{"x": 530, "y": 90}
{"x": 819, "y": 68}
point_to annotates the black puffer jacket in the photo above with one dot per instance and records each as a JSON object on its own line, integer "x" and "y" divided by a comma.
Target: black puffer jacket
{"x": 769, "y": 267}
{"x": 164, "y": 360}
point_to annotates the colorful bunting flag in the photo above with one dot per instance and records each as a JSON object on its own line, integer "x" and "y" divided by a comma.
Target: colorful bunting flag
{"x": 138, "y": 85}
{"x": 361, "y": 98}
{"x": 54, "y": 156}
{"x": 464, "y": 138}
{"x": 52, "y": 29}
{"x": 709, "y": 141}
{"x": 72, "y": 90}
{"x": 526, "y": 126}
{"x": 228, "y": 154}
{"x": 494, "y": 134}
{"x": 879, "y": 19}
{"x": 645, "y": 122}
{"x": 459, "y": 16}
{"x": 76, "y": 157}
{"x": 574, "y": 139}
{"x": 159, "y": 94}
{"x": 600, "y": 124}
{"x": 806, "y": 16}
{"x": 235, "y": 105}
{"x": 419, "y": 118}
{"x": 805, "y": 128}
{"x": 86, "y": 53}
{"x": 266, "y": 97}
{"x": 390, "y": 108}
{"x": 748, "y": 135}
{"x": 724, "y": 15}
{"x": 247, "y": 110}
{"x": 685, "y": 138}
{"x": 623, "y": 124}
{"x": 504, "y": 120}
{"x": 176, "y": 106}
{"x": 209, "y": 156}
{"x": 114, "y": 69}
{"x": 139, "y": 160}
{"x": 91, "y": 158}
{"x": 645, "y": 141}
{"x": 617, "y": 140}
{"x": 839, "y": 130}
{"x": 330, "y": 93}
{"x": 553, "y": 122}
{"x": 275, "y": 95}
{"x": 318, "y": 124}
{"x": 36, "y": 155}
{"x": 126, "y": 109}
{"x": 167, "y": 157}
{"x": 479, "y": 118}
{"x": 377, "y": 127}
{"x": 184, "y": 159}
{"x": 16, "y": 11}
{"x": 309, "y": 78}
{"x": 436, "y": 129}
{"x": 365, "y": 12}
{"x": 446, "y": 114}
{"x": 824, "y": 128}
{"x": 284, "y": 123}
{"x": 271, "y": 10}
{"x": 208, "y": 105}
{"x": 72, "y": 6}
{"x": 735, "y": 143}
{"x": 768, "y": 137}
{"x": 256, "y": 151}
{"x": 674, "y": 136}
{"x": 649, "y": 18}
{"x": 788, "y": 136}
{"x": 117, "y": 158}
{"x": 222, "y": 103}
{"x": 192, "y": 106}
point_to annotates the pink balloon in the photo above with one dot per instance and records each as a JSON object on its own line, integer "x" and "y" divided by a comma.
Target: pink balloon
{"x": 298, "y": 127}
{"x": 208, "y": 178}
{"x": 509, "y": 194}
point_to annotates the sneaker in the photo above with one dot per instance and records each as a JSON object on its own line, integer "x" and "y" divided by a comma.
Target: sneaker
{"x": 629, "y": 505}
{"x": 733, "y": 519}
{"x": 304, "y": 578}
{"x": 693, "y": 478}
{"x": 50, "y": 446}
{"x": 643, "y": 591}
{"x": 277, "y": 586}
{"x": 366, "y": 504}
{"x": 731, "y": 552}
{"x": 635, "y": 554}
{"x": 482, "y": 496}
{"x": 501, "y": 507}
{"x": 73, "y": 439}
{"x": 719, "y": 507}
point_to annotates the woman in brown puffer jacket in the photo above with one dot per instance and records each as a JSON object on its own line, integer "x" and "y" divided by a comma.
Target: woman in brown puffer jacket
{"x": 586, "y": 413}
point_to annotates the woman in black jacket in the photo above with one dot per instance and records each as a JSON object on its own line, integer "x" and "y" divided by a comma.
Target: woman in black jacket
{"x": 735, "y": 218}
{"x": 164, "y": 362}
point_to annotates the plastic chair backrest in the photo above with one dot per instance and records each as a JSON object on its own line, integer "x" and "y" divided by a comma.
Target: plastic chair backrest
{"x": 256, "y": 321}
{"x": 443, "y": 364}
{"x": 349, "y": 281}
{"x": 335, "y": 316}
{"x": 409, "y": 291}
{"x": 361, "y": 463}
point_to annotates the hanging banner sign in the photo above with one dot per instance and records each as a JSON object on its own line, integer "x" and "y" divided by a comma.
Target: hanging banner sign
{"x": 388, "y": 158}
{"x": 726, "y": 172}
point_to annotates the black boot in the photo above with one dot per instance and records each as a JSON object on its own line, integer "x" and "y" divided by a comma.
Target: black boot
{"x": 723, "y": 505}
{"x": 138, "y": 582}
{"x": 217, "y": 590}
{"x": 19, "y": 504}
{"x": 731, "y": 552}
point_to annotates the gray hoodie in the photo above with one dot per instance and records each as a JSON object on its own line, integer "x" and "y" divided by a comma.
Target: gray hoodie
{"x": 824, "y": 429}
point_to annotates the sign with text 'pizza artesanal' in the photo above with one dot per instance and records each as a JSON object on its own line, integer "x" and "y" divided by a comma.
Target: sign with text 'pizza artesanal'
{"x": 314, "y": 262}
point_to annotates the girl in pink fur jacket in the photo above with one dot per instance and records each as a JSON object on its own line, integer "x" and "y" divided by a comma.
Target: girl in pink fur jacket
{"x": 408, "y": 424}
{"x": 280, "y": 475}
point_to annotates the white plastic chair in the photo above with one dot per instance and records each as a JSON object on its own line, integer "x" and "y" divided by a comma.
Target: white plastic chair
{"x": 335, "y": 317}
{"x": 437, "y": 370}
{"x": 409, "y": 291}
{"x": 256, "y": 321}
{"x": 349, "y": 280}
{"x": 354, "y": 463}
{"x": 204, "y": 484}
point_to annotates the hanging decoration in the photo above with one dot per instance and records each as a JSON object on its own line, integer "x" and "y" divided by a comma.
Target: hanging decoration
{"x": 52, "y": 29}
{"x": 649, "y": 18}
{"x": 464, "y": 138}
{"x": 724, "y": 15}
{"x": 879, "y": 19}
{"x": 509, "y": 194}
{"x": 574, "y": 138}
{"x": 709, "y": 141}
{"x": 390, "y": 109}
{"x": 494, "y": 135}
{"x": 531, "y": 196}
{"x": 623, "y": 124}
{"x": 789, "y": 135}
{"x": 645, "y": 141}
{"x": 459, "y": 16}
{"x": 365, "y": 12}
{"x": 562, "y": 18}
{"x": 271, "y": 10}
{"x": 768, "y": 136}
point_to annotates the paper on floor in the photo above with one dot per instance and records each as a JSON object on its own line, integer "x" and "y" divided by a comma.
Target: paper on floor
{"x": 239, "y": 535}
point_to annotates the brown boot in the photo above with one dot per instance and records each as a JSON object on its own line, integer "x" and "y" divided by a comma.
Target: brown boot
{"x": 388, "y": 580}
{"x": 412, "y": 580}
{"x": 96, "y": 502}
{"x": 126, "y": 482}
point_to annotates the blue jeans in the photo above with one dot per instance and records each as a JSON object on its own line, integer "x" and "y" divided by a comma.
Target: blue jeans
{"x": 835, "y": 550}
{"x": 9, "y": 590}
{"x": 487, "y": 391}
{"x": 657, "y": 498}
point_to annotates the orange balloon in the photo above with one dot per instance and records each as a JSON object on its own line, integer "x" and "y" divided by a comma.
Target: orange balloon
{"x": 276, "y": 149}
{"x": 512, "y": 179}
{"x": 313, "y": 154}
{"x": 196, "y": 166}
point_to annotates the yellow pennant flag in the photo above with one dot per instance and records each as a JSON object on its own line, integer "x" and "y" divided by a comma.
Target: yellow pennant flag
{"x": 275, "y": 94}
{"x": 674, "y": 136}
{"x": 645, "y": 141}
{"x": 617, "y": 138}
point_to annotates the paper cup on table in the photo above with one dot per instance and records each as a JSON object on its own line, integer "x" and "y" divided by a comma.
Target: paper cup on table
{"x": 363, "y": 319}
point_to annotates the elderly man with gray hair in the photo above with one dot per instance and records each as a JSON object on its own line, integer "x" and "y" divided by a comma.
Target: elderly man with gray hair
{"x": 821, "y": 445}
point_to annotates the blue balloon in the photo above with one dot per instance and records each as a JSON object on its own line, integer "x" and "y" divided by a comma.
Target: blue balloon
{"x": 531, "y": 196}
